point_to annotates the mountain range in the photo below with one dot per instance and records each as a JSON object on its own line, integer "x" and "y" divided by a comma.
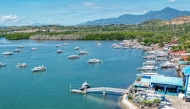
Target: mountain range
{"x": 164, "y": 14}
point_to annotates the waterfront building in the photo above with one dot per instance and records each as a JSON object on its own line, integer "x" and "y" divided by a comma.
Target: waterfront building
{"x": 186, "y": 72}
{"x": 161, "y": 84}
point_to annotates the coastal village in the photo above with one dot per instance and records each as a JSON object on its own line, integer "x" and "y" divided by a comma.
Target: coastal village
{"x": 152, "y": 90}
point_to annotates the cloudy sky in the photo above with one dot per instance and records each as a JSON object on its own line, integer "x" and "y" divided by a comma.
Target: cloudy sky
{"x": 71, "y": 12}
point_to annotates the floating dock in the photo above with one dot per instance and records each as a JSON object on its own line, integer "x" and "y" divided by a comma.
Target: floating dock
{"x": 78, "y": 91}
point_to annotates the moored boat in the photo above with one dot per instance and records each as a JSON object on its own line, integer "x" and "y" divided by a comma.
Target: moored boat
{"x": 17, "y": 50}
{"x": 2, "y": 64}
{"x": 21, "y": 65}
{"x": 83, "y": 52}
{"x": 77, "y": 48}
{"x": 7, "y": 53}
{"x": 39, "y": 68}
{"x": 167, "y": 64}
{"x": 58, "y": 45}
{"x": 65, "y": 44}
{"x": 73, "y": 57}
{"x": 59, "y": 51}
{"x": 85, "y": 85}
{"x": 94, "y": 61}
{"x": 34, "y": 49}
{"x": 20, "y": 47}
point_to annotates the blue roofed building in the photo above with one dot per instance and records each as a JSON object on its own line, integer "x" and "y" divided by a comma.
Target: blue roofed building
{"x": 161, "y": 84}
{"x": 166, "y": 85}
{"x": 186, "y": 72}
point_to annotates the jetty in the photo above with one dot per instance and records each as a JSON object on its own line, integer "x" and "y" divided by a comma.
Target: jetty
{"x": 99, "y": 89}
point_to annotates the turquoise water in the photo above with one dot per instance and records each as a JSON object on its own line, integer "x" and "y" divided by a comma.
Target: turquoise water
{"x": 20, "y": 88}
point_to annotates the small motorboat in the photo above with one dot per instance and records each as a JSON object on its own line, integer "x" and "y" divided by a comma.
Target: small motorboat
{"x": 85, "y": 85}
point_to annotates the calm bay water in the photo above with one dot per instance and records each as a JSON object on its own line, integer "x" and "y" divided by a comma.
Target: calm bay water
{"x": 20, "y": 88}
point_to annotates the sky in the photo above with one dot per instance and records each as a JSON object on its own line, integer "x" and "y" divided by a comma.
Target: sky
{"x": 72, "y": 12}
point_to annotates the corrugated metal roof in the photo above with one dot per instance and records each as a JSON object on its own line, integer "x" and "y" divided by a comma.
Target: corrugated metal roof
{"x": 166, "y": 80}
{"x": 186, "y": 70}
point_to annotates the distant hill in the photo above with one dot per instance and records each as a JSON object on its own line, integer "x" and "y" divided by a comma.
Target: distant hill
{"x": 179, "y": 20}
{"x": 164, "y": 14}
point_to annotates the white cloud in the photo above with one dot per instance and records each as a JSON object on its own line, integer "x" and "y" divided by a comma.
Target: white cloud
{"x": 50, "y": 20}
{"x": 90, "y": 5}
{"x": 23, "y": 17}
{"x": 9, "y": 18}
{"x": 171, "y": 0}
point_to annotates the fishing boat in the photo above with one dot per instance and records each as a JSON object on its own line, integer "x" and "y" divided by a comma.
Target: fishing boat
{"x": 39, "y": 68}
{"x": 94, "y": 61}
{"x": 85, "y": 85}
{"x": 73, "y": 57}
{"x": 21, "y": 65}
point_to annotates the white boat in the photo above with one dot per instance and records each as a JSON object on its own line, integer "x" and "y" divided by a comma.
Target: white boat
{"x": 114, "y": 44}
{"x": 59, "y": 51}
{"x": 20, "y": 47}
{"x": 148, "y": 68}
{"x": 148, "y": 73}
{"x": 149, "y": 57}
{"x": 73, "y": 57}
{"x": 98, "y": 43}
{"x": 117, "y": 47}
{"x": 125, "y": 47}
{"x": 34, "y": 49}
{"x": 167, "y": 64}
{"x": 94, "y": 61}
{"x": 161, "y": 59}
{"x": 58, "y": 45}
{"x": 149, "y": 63}
{"x": 21, "y": 65}
{"x": 65, "y": 44}
{"x": 85, "y": 85}
{"x": 17, "y": 50}
{"x": 39, "y": 68}
{"x": 7, "y": 53}
{"x": 77, "y": 48}
{"x": 2, "y": 64}
{"x": 83, "y": 52}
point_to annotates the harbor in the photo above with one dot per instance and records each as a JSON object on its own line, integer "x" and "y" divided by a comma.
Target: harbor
{"x": 121, "y": 62}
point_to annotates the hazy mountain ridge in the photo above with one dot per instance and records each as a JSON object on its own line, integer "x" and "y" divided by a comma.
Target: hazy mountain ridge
{"x": 164, "y": 14}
